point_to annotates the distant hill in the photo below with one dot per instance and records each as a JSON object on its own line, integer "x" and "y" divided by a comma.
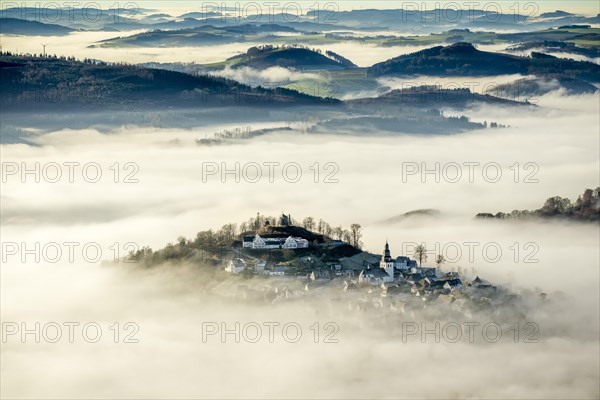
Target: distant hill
{"x": 33, "y": 82}
{"x": 581, "y": 37}
{"x": 87, "y": 18}
{"x": 463, "y": 59}
{"x": 428, "y": 21}
{"x": 570, "y": 33}
{"x": 402, "y": 120}
{"x": 555, "y": 14}
{"x": 433, "y": 96}
{"x": 289, "y": 57}
{"x": 14, "y": 26}
{"x": 528, "y": 88}
{"x": 421, "y": 213}
{"x": 201, "y": 14}
{"x": 561, "y": 47}
{"x": 195, "y": 34}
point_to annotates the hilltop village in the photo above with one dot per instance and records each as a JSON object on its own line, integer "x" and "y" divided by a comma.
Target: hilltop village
{"x": 296, "y": 257}
{"x": 287, "y": 260}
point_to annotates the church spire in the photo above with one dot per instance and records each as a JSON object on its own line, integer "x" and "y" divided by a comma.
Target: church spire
{"x": 386, "y": 252}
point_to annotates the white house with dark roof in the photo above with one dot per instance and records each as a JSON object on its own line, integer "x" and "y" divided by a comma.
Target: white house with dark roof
{"x": 260, "y": 266}
{"x": 271, "y": 242}
{"x": 373, "y": 276}
{"x": 236, "y": 266}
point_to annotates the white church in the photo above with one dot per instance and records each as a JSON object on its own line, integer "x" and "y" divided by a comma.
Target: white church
{"x": 387, "y": 267}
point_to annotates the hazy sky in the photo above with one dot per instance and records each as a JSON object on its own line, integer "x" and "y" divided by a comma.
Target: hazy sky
{"x": 589, "y": 7}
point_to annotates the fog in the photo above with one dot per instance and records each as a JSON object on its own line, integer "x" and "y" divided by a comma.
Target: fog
{"x": 77, "y": 44}
{"x": 274, "y": 76}
{"x": 170, "y": 303}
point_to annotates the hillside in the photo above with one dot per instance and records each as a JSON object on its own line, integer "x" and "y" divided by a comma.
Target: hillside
{"x": 552, "y": 46}
{"x": 218, "y": 246}
{"x": 196, "y": 34}
{"x": 289, "y": 57}
{"x": 463, "y": 59}
{"x": 29, "y": 82}
{"x": 433, "y": 96}
{"x": 528, "y": 88}
{"x": 14, "y": 26}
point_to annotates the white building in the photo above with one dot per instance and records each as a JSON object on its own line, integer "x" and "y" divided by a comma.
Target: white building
{"x": 390, "y": 265}
{"x": 274, "y": 242}
{"x": 295, "y": 243}
{"x": 236, "y": 266}
{"x": 260, "y": 266}
{"x": 387, "y": 264}
{"x": 374, "y": 276}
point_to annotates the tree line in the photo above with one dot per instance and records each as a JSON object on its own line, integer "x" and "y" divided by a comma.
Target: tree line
{"x": 586, "y": 207}
{"x": 212, "y": 245}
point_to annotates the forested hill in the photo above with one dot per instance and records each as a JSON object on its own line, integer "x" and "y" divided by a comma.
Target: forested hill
{"x": 289, "y": 57}
{"x": 463, "y": 59}
{"x": 30, "y": 82}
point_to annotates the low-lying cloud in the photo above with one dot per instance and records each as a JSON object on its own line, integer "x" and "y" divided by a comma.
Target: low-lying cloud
{"x": 169, "y": 304}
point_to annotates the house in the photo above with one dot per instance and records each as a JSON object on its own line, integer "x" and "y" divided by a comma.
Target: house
{"x": 319, "y": 275}
{"x": 295, "y": 243}
{"x": 405, "y": 263}
{"x": 260, "y": 266}
{"x": 481, "y": 284}
{"x": 426, "y": 271}
{"x": 236, "y": 266}
{"x": 373, "y": 276}
{"x": 452, "y": 283}
{"x": 414, "y": 277}
{"x": 335, "y": 267}
{"x": 278, "y": 270}
{"x": 447, "y": 282}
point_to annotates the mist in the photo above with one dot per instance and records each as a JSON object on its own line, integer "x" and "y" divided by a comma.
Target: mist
{"x": 169, "y": 303}
{"x": 148, "y": 178}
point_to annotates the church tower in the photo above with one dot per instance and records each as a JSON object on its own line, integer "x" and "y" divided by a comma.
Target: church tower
{"x": 386, "y": 252}
{"x": 387, "y": 263}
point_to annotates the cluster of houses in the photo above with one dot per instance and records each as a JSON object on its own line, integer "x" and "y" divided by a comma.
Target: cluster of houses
{"x": 446, "y": 290}
{"x": 390, "y": 282}
{"x": 273, "y": 241}
{"x": 260, "y": 267}
{"x": 369, "y": 269}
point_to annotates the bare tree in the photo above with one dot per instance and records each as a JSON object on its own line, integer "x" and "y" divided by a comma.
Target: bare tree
{"x": 339, "y": 233}
{"x": 439, "y": 260}
{"x": 356, "y": 232}
{"x": 308, "y": 223}
{"x": 420, "y": 254}
{"x": 320, "y": 226}
{"x": 347, "y": 236}
{"x": 327, "y": 231}
{"x": 228, "y": 232}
